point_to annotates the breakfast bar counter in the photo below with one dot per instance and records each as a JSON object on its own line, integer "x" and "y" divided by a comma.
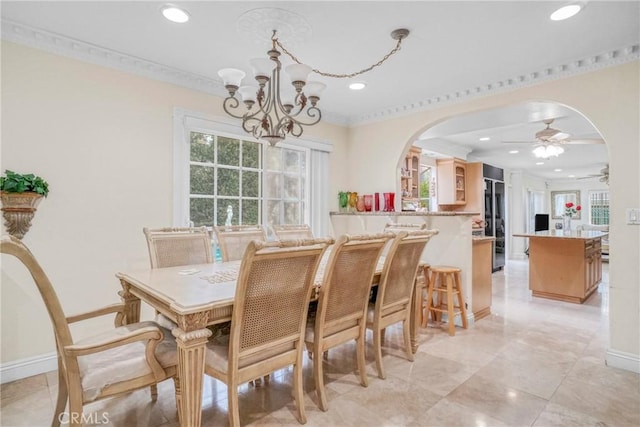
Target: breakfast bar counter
{"x": 565, "y": 266}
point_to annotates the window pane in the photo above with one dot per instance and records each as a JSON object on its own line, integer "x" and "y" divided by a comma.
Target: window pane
{"x": 291, "y": 188}
{"x": 202, "y": 148}
{"x": 291, "y": 161}
{"x": 250, "y": 154}
{"x": 201, "y": 180}
{"x": 273, "y": 185}
{"x": 292, "y": 213}
{"x": 250, "y": 211}
{"x": 201, "y": 211}
{"x": 228, "y": 151}
{"x": 225, "y": 214}
{"x": 274, "y": 159}
{"x": 599, "y": 207}
{"x": 228, "y": 182}
{"x": 250, "y": 184}
{"x": 273, "y": 211}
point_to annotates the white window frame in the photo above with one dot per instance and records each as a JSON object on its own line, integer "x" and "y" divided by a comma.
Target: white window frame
{"x": 186, "y": 121}
{"x": 589, "y": 193}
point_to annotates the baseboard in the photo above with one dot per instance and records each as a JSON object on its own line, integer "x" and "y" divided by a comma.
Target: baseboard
{"x": 623, "y": 360}
{"x": 28, "y": 367}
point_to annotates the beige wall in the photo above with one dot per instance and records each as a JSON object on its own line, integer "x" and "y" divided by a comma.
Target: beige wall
{"x": 103, "y": 139}
{"x": 610, "y": 98}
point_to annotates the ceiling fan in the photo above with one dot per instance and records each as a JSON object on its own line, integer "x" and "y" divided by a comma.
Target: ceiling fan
{"x": 603, "y": 175}
{"x": 549, "y": 135}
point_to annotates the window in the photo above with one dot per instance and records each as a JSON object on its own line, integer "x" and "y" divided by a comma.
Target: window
{"x": 425, "y": 186}
{"x": 226, "y": 176}
{"x": 222, "y": 175}
{"x": 599, "y": 207}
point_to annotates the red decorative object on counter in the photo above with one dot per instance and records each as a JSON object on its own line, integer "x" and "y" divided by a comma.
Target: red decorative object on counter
{"x": 389, "y": 202}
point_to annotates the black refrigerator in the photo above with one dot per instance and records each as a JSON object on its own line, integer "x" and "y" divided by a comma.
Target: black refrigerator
{"x": 494, "y": 215}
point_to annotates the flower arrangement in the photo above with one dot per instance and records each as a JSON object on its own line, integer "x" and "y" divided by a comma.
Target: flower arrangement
{"x": 570, "y": 209}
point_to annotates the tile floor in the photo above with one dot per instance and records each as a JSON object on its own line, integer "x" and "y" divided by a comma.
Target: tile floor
{"x": 533, "y": 362}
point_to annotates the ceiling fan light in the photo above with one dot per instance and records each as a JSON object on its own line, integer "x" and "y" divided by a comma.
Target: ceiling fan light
{"x": 540, "y": 152}
{"x": 566, "y": 12}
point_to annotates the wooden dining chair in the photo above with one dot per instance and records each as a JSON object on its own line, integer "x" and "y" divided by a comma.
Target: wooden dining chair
{"x": 292, "y": 231}
{"x": 395, "y": 290}
{"x": 172, "y": 247}
{"x": 118, "y": 361}
{"x": 176, "y": 246}
{"x": 233, "y": 239}
{"x": 342, "y": 303}
{"x": 267, "y": 325}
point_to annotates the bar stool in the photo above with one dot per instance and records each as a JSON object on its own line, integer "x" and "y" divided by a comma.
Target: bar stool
{"x": 444, "y": 284}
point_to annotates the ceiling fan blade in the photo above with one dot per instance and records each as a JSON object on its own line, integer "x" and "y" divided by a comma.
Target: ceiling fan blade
{"x": 583, "y": 141}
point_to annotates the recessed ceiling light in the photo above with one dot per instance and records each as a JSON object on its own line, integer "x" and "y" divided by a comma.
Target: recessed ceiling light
{"x": 484, "y": 138}
{"x": 572, "y": 176}
{"x": 557, "y": 170}
{"x": 566, "y": 12}
{"x": 357, "y": 85}
{"x": 174, "y": 14}
{"x": 513, "y": 152}
{"x": 539, "y": 163}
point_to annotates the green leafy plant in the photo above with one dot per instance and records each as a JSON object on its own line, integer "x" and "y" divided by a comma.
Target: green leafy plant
{"x": 13, "y": 182}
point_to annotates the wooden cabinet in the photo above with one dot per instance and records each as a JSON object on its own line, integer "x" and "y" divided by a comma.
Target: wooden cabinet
{"x": 452, "y": 182}
{"x": 410, "y": 177}
{"x": 481, "y": 279}
{"x": 565, "y": 269}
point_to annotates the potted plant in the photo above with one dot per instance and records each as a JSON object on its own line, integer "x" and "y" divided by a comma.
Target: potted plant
{"x": 20, "y": 196}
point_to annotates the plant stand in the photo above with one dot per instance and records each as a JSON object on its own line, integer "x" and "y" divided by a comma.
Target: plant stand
{"x": 18, "y": 210}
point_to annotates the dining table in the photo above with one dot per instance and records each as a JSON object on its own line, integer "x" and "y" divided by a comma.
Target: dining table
{"x": 197, "y": 296}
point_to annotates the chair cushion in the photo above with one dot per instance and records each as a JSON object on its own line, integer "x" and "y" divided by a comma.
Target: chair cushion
{"x": 217, "y": 356}
{"x": 121, "y": 363}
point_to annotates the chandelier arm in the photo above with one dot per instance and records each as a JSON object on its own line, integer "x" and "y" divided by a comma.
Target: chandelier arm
{"x": 346, "y": 75}
{"x": 231, "y": 103}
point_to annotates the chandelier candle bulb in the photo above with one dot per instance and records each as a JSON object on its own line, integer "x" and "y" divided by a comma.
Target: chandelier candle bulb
{"x": 232, "y": 79}
{"x": 262, "y": 69}
{"x": 298, "y": 74}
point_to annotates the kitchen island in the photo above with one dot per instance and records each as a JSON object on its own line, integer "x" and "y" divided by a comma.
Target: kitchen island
{"x": 565, "y": 266}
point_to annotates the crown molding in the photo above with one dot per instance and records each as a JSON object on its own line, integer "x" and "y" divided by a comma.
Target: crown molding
{"x": 591, "y": 63}
{"x": 76, "y": 49}
{"x": 72, "y": 48}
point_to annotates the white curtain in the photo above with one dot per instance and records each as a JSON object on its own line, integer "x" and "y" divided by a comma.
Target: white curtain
{"x": 319, "y": 190}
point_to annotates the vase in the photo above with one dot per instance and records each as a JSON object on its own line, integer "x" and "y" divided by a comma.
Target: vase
{"x": 353, "y": 201}
{"x": 360, "y": 204}
{"x": 18, "y": 210}
{"x": 343, "y": 201}
{"x": 368, "y": 202}
{"x": 566, "y": 224}
{"x": 389, "y": 202}
{"x": 376, "y": 201}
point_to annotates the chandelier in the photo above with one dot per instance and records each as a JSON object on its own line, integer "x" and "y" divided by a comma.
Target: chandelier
{"x": 546, "y": 150}
{"x": 270, "y": 111}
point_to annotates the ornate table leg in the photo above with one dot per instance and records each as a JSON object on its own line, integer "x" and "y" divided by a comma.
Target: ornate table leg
{"x": 416, "y": 310}
{"x": 191, "y": 336}
{"x": 131, "y": 303}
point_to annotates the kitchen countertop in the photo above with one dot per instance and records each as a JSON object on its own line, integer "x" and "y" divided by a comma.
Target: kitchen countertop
{"x": 406, "y": 213}
{"x": 482, "y": 238}
{"x": 562, "y": 234}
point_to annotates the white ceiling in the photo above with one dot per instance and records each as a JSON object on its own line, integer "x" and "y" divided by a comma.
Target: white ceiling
{"x": 455, "y": 50}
